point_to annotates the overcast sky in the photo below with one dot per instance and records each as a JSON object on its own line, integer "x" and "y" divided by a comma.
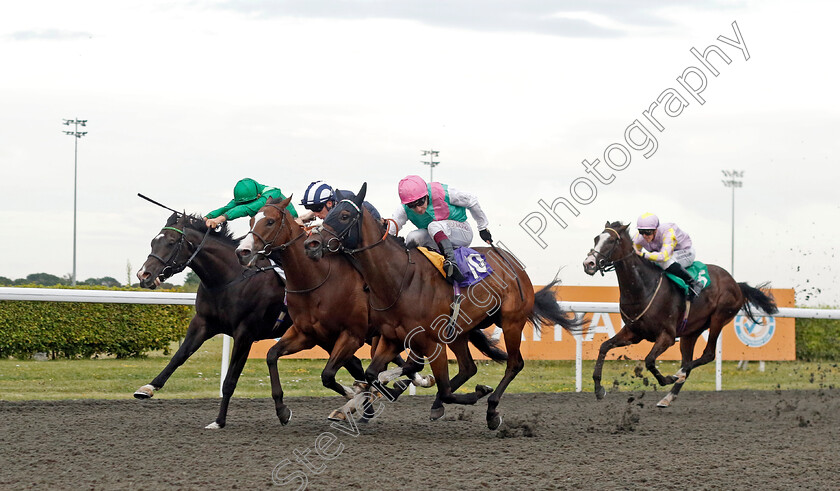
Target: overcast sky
{"x": 184, "y": 98}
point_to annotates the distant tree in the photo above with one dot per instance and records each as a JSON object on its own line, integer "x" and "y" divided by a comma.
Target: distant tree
{"x": 44, "y": 279}
{"x": 191, "y": 282}
{"x": 6, "y": 281}
{"x": 104, "y": 281}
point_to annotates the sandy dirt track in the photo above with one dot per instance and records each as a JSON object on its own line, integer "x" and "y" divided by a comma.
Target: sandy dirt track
{"x": 707, "y": 440}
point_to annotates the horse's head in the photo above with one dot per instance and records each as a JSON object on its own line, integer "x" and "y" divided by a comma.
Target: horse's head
{"x": 271, "y": 228}
{"x": 608, "y": 249}
{"x": 343, "y": 226}
{"x": 169, "y": 254}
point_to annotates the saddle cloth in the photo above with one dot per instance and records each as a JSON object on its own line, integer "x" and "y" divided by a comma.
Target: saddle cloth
{"x": 471, "y": 263}
{"x": 699, "y": 271}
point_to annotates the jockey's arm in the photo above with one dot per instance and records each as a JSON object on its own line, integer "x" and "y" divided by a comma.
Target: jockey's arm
{"x": 669, "y": 243}
{"x": 399, "y": 219}
{"x": 470, "y": 202}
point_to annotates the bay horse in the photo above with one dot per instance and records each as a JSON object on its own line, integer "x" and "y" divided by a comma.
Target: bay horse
{"x": 329, "y": 302}
{"x": 654, "y": 308}
{"x": 413, "y": 301}
{"x": 246, "y": 304}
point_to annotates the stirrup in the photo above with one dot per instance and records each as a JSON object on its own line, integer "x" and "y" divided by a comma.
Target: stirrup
{"x": 452, "y": 272}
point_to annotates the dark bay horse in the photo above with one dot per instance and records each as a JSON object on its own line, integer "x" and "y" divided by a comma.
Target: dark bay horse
{"x": 240, "y": 302}
{"x": 653, "y": 308}
{"x": 413, "y": 301}
{"x": 328, "y": 300}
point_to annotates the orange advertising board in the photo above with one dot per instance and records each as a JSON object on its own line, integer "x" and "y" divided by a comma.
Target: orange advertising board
{"x": 773, "y": 339}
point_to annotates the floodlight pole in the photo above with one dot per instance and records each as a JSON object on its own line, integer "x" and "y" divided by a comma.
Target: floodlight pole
{"x": 77, "y": 134}
{"x": 732, "y": 180}
{"x": 432, "y": 163}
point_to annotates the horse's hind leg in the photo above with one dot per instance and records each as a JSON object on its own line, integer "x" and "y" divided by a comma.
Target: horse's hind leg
{"x": 663, "y": 342}
{"x": 515, "y": 364}
{"x": 291, "y": 342}
{"x": 197, "y": 334}
{"x": 687, "y": 351}
{"x": 241, "y": 348}
{"x": 622, "y": 338}
{"x": 689, "y": 365}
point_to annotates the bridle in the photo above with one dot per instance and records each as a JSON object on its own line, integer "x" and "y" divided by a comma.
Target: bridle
{"x": 604, "y": 262}
{"x": 338, "y": 240}
{"x": 268, "y": 246}
{"x": 170, "y": 265}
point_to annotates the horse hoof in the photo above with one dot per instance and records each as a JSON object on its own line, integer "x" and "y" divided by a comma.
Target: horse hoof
{"x": 145, "y": 392}
{"x": 494, "y": 421}
{"x": 437, "y": 413}
{"x": 483, "y": 390}
{"x": 337, "y": 415}
{"x": 600, "y": 392}
{"x": 284, "y": 414}
{"x": 666, "y": 401}
{"x": 214, "y": 426}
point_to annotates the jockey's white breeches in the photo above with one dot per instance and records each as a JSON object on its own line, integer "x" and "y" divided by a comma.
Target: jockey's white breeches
{"x": 459, "y": 233}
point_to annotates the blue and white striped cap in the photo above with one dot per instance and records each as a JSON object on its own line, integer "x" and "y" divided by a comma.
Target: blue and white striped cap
{"x": 317, "y": 193}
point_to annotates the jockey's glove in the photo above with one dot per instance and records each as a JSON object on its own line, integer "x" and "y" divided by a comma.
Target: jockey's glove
{"x": 485, "y": 235}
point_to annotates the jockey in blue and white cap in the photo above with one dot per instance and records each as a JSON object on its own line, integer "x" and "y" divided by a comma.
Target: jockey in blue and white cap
{"x": 319, "y": 198}
{"x": 667, "y": 246}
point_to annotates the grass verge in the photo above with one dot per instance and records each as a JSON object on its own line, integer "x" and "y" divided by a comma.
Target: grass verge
{"x": 199, "y": 377}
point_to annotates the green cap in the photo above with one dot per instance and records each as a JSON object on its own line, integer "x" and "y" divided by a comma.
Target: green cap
{"x": 246, "y": 190}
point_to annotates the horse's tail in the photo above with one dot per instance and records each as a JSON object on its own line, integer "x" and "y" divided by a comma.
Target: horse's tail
{"x": 487, "y": 346}
{"x": 757, "y": 296}
{"x": 548, "y": 311}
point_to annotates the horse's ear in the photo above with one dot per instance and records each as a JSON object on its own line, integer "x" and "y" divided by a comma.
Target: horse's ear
{"x": 360, "y": 197}
{"x": 623, "y": 227}
{"x": 338, "y": 195}
{"x": 286, "y": 202}
{"x": 607, "y": 225}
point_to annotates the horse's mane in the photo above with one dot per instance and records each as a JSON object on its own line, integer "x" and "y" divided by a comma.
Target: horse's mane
{"x": 647, "y": 264}
{"x": 197, "y": 223}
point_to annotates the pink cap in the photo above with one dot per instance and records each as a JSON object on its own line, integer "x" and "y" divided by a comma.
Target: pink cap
{"x": 412, "y": 188}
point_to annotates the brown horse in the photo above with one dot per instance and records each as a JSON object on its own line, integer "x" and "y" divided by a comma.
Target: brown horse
{"x": 654, "y": 308}
{"x": 328, "y": 301}
{"x": 244, "y": 304}
{"x": 413, "y": 301}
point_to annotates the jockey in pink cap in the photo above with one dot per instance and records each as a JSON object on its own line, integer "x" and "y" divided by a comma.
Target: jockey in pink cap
{"x": 668, "y": 247}
{"x": 439, "y": 213}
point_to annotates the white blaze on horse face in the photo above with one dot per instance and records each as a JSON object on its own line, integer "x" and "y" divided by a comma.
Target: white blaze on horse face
{"x": 247, "y": 243}
{"x": 598, "y": 249}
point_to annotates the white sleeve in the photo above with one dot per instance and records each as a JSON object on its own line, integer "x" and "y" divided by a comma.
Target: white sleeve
{"x": 400, "y": 218}
{"x": 470, "y": 202}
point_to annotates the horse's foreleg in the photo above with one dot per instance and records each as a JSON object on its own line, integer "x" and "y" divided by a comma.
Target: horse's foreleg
{"x": 241, "y": 348}
{"x": 291, "y": 342}
{"x": 342, "y": 355}
{"x": 466, "y": 370}
{"x": 197, "y": 334}
{"x": 687, "y": 351}
{"x": 663, "y": 342}
{"x": 623, "y": 338}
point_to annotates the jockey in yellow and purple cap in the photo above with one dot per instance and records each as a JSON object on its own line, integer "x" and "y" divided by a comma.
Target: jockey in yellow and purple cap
{"x": 439, "y": 213}
{"x": 667, "y": 246}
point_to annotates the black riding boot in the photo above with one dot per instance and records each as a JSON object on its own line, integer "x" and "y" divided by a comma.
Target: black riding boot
{"x": 453, "y": 274}
{"x": 694, "y": 286}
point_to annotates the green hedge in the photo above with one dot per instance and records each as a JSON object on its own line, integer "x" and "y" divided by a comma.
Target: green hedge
{"x": 817, "y": 339}
{"x": 64, "y": 329}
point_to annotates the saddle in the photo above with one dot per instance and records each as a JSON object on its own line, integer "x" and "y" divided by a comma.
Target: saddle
{"x": 471, "y": 263}
{"x": 699, "y": 271}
